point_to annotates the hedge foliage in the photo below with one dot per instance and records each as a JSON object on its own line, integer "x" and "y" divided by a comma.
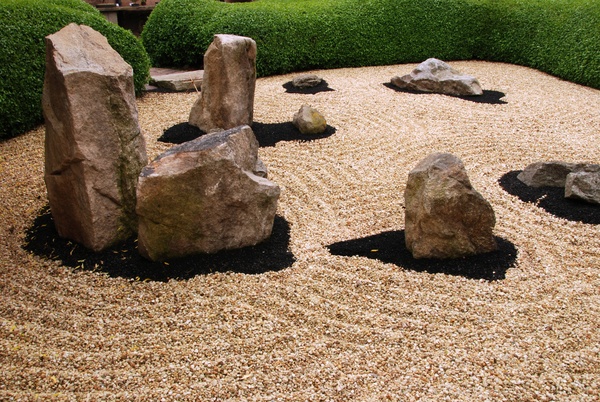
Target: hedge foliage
{"x": 561, "y": 37}
{"x": 25, "y": 24}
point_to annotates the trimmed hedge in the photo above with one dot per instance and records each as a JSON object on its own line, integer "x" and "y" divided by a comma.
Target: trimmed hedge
{"x": 25, "y": 24}
{"x": 561, "y": 37}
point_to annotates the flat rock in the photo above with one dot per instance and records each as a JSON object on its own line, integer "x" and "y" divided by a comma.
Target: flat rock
{"x": 584, "y": 184}
{"x": 548, "y": 174}
{"x": 436, "y": 76}
{"x": 179, "y": 82}
{"x": 444, "y": 216}
{"x": 94, "y": 149}
{"x": 205, "y": 195}
{"x": 306, "y": 81}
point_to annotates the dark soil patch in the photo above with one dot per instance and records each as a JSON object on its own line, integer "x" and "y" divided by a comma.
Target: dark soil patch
{"x": 124, "y": 260}
{"x": 490, "y": 97}
{"x": 267, "y": 134}
{"x": 551, "y": 199}
{"x": 322, "y": 87}
{"x": 389, "y": 247}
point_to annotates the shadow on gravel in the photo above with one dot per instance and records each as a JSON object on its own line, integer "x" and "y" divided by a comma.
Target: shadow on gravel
{"x": 489, "y": 97}
{"x": 389, "y": 247}
{"x": 267, "y": 134}
{"x": 322, "y": 87}
{"x": 551, "y": 199}
{"x": 124, "y": 260}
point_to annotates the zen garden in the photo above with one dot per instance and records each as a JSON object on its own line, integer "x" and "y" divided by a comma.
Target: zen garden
{"x": 300, "y": 200}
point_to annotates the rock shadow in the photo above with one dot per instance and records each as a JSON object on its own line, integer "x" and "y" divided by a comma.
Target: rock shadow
{"x": 389, "y": 247}
{"x": 489, "y": 97}
{"x": 551, "y": 199}
{"x": 267, "y": 134}
{"x": 322, "y": 87}
{"x": 124, "y": 260}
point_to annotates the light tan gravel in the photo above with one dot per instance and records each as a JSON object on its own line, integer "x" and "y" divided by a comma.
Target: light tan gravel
{"x": 330, "y": 328}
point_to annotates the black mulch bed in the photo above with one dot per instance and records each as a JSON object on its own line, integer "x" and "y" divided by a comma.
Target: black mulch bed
{"x": 267, "y": 134}
{"x": 124, "y": 260}
{"x": 322, "y": 87}
{"x": 490, "y": 97}
{"x": 551, "y": 199}
{"x": 390, "y": 247}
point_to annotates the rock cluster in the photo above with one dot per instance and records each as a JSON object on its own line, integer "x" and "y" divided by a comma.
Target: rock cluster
{"x": 434, "y": 75}
{"x": 445, "y": 217}
{"x": 227, "y": 95}
{"x": 204, "y": 196}
{"x": 580, "y": 180}
{"x": 94, "y": 147}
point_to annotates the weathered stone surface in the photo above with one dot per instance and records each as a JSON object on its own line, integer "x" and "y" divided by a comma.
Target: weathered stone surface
{"x": 548, "y": 174}
{"x": 584, "y": 184}
{"x": 306, "y": 81}
{"x": 227, "y": 95}
{"x": 185, "y": 81}
{"x": 204, "y": 196}
{"x": 445, "y": 216}
{"x": 309, "y": 121}
{"x": 94, "y": 148}
{"x": 434, "y": 75}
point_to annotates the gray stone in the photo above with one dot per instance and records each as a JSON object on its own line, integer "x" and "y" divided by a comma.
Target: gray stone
{"x": 434, "y": 75}
{"x": 445, "y": 216}
{"x": 204, "y": 196}
{"x": 94, "y": 148}
{"x": 227, "y": 95}
{"x": 309, "y": 121}
{"x": 186, "y": 81}
{"x": 584, "y": 185}
{"x": 306, "y": 81}
{"x": 548, "y": 174}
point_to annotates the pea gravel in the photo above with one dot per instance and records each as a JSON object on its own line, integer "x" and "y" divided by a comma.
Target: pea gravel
{"x": 330, "y": 327}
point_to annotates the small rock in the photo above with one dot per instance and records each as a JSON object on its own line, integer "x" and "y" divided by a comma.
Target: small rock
{"x": 309, "y": 121}
{"x": 306, "y": 81}
{"x": 444, "y": 216}
{"x": 434, "y": 75}
{"x": 186, "y": 81}
{"x": 584, "y": 185}
{"x": 548, "y": 174}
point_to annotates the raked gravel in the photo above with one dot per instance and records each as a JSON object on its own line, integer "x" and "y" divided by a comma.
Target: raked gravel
{"x": 330, "y": 328}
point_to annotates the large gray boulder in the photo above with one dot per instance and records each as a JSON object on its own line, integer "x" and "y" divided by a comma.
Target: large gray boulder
{"x": 445, "y": 216}
{"x": 548, "y": 174}
{"x": 434, "y": 75}
{"x": 227, "y": 95}
{"x": 204, "y": 196}
{"x": 584, "y": 184}
{"x": 94, "y": 148}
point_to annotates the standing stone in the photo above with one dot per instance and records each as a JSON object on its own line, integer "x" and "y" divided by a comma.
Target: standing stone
{"x": 205, "y": 195}
{"x": 445, "y": 216}
{"x": 434, "y": 75}
{"x": 94, "y": 147}
{"x": 227, "y": 96}
{"x": 584, "y": 185}
{"x": 309, "y": 121}
{"x": 548, "y": 174}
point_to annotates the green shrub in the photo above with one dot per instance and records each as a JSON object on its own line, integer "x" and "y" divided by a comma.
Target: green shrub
{"x": 561, "y": 37}
{"x": 25, "y": 24}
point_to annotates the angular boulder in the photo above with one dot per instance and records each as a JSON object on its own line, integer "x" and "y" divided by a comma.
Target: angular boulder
{"x": 548, "y": 174}
{"x": 306, "y": 81}
{"x": 445, "y": 216}
{"x": 227, "y": 95}
{"x": 94, "y": 147}
{"x": 204, "y": 196}
{"x": 434, "y": 75}
{"x": 309, "y": 121}
{"x": 584, "y": 185}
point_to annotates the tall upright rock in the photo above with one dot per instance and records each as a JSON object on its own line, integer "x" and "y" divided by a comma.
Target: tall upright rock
{"x": 94, "y": 147}
{"x": 445, "y": 216}
{"x": 227, "y": 95}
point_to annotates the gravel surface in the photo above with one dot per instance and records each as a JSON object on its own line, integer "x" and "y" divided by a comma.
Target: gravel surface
{"x": 337, "y": 321}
